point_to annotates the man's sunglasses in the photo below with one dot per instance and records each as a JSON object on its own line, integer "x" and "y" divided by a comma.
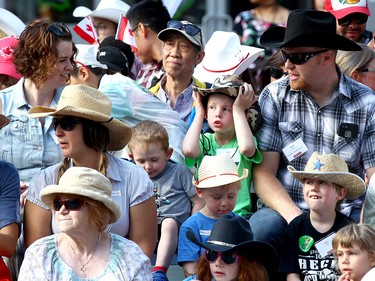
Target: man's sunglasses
{"x": 59, "y": 29}
{"x": 190, "y": 29}
{"x": 66, "y": 123}
{"x": 227, "y": 257}
{"x": 70, "y": 204}
{"x": 366, "y": 70}
{"x": 300, "y": 58}
{"x": 277, "y": 72}
{"x": 359, "y": 18}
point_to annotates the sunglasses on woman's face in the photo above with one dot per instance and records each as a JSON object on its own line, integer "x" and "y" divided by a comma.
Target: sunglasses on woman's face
{"x": 227, "y": 257}
{"x": 70, "y": 204}
{"x": 300, "y": 58}
{"x": 66, "y": 123}
{"x": 277, "y": 72}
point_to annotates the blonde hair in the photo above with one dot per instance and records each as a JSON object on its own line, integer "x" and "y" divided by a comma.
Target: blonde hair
{"x": 362, "y": 235}
{"x": 147, "y": 132}
{"x": 349, "y": 61}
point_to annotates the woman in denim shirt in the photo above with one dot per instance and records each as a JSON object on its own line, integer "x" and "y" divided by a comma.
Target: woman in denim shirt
{"x": 44, "y": 58}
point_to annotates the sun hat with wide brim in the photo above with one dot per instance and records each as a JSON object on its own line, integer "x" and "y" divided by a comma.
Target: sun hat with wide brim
{"x": 308, "y": 28}
{"x": 89, "y": 103}
{"x": 224, "y": 55}
{"x": 84, "y": 182}
{"x": 216, "y": 171}
{"x": 341, "y": 8}
{"x": 10, "y": 24}
{"x": 233, "y": 233}
{"x": 106, "y": 9}
{"x": 331, "y": 168}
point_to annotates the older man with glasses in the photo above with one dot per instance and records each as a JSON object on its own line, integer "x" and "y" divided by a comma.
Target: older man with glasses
{"x": 314, "y": 108}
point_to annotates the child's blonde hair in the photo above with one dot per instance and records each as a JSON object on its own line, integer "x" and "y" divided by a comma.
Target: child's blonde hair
{"x": 362, "y": 235}
{"x": 147, "y": 132}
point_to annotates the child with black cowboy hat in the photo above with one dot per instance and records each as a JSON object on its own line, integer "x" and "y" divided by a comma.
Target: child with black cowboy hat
{"x": 226, "y": 107}
{"x": 307, "y": 252}
{"x": 231, "y": 253}
{"x": 314, "y": 108}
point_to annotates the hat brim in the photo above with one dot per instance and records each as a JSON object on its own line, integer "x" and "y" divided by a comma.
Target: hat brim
{"x": 274, "y": 38}
{"x": 108, "y": 14}
{"x": 164, "y": 34}
{"x": 354, "y": 184}
{"x": 228, "y": 91}
{"x": 9, "y": 69}
{"x": 119, "y": 132}
{"x": 48, "y": 193}
{"x": 215, "y": 181}
{"x": 339, "y": 14}
{"x": 10, "y": 23}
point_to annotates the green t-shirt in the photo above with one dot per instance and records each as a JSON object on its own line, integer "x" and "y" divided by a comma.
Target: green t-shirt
{"x": 209, "y": 146}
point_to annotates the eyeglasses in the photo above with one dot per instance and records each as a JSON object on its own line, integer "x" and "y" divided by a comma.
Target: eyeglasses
{"x": 136, "y": 26}
{"x": 359, "y": 18}
{"x": 66, "y": 123}
{"x": 227, "y": 257}
{"x": 366, "y": 70}
{"x": 190, "y": 29}
{"x": 70, "y": 204}
{"x": 59, "y": 29}
{"x": 277, "y": 72}
{"x": 300, "y": 58}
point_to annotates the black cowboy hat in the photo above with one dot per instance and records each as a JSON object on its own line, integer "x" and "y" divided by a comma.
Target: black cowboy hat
{"x": 308, "y": 28}
{"x": 233, "y": 233}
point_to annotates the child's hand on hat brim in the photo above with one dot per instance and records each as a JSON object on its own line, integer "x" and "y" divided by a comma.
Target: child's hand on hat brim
{"x": 245, "y": 98}
{"x": 199, "y": 109}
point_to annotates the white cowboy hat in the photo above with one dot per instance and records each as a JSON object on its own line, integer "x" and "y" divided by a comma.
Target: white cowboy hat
{"x": 331, "y": 168}
{"x": 84, "y": 182}
{"x": 106, "y": 9}
{"x": 224, "y": 55}
{"x": 89, "y": 103}
{"x": 10, "y": 24}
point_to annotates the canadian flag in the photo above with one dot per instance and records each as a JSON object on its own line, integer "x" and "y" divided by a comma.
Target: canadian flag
{"x": 85, "y": 29}
{"x": 125, "y": 34}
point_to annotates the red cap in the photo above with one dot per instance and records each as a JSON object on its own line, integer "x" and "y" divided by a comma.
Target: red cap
{"x": 7, "y": 46}
{"x": 342, "y": 8}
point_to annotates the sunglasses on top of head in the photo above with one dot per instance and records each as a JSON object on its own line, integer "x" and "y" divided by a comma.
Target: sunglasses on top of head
{"x": 59, "y": 29}
{"x": 67, "y": 123}
{"x": 358, "y": 18}
{"x": 70, "y": 204}
{"x": 190, "y": 29}
{"x": 300, "y": 58}
{"x": 228, "y": 257}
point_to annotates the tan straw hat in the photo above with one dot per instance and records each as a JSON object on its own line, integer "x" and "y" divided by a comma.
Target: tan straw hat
{"x": 84, "y": 182}
{"x": 89, "y": 103}
{"x": 331, "y": 168}
{"x": 216, "y": 171}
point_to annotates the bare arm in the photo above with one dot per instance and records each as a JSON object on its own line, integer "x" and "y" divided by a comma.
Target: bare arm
{"x": 143, "y": 226}
{"x": 198, "y": 203}
{"x": 190, "y": 144}
{"x": 245, "y": 138}
{"x": 269, "y": 188}
{"x": 8, "y": 239}
{"x": 36, "y": 223}
{"x": 293, "y": 277}
{"x": 189, "y": 268}
{"x": 370, "y": 172}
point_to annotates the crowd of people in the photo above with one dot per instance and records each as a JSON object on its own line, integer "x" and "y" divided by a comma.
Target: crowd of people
{"x": 249, "y": 156}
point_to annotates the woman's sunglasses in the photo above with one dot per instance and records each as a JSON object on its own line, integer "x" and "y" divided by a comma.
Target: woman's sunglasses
{"x": 66, "y": 123}
{"x": 227, "y": 257}
{"x": 359, "y": 18}
{"x": 300, "y": 58}
{"x": 59, "y": 29}
{"x": 70, "y": 204}
{"x": 277, "y": 72}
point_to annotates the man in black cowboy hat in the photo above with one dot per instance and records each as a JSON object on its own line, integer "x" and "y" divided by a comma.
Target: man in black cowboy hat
{"x": 314, "y": 108}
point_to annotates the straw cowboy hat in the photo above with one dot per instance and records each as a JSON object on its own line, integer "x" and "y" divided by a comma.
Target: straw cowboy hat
{"x": 89, "y": 103}
{"x": 218, "y": 170}
{"x": 233, "y": 233}
{"x": 106, "y": 9}
{"x": 10, "y": 24}
{"x": 308, "y": 28}
{"x": 224, "y": 55}
{"x": 331, "y": 168}
{"x": 84, "y": 182}
{"x": 229, "y": 85}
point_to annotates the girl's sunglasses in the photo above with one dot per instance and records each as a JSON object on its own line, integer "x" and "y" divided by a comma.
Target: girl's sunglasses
{"x": 66, "y": 123}
{"x": 70, "y": 204}
{"x": 227, "y": 257}
{"x": 300, "y": 58}
{"x": 277, "y": 72}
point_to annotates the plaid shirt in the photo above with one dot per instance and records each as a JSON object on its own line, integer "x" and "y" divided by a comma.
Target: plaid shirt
{"x": 150, "y": 74}
{"x": 289, "y": 115}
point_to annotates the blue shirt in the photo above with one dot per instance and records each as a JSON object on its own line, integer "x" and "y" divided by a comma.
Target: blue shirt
{"x": 25, "y": 143}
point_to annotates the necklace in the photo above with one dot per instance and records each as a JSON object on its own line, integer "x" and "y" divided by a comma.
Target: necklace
{"x": 83, "y": 268}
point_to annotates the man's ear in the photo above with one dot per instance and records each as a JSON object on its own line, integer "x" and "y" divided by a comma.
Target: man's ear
{"x": 83, "y": 73}
{"x": 354, "y": 75}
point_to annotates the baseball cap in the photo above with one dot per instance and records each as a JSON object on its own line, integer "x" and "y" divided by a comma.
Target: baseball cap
{"x": 191, "y": 31}
{"x": 7, "y": 46}
{"x": 341, "y": 9}
{"x": 87, "y": 55}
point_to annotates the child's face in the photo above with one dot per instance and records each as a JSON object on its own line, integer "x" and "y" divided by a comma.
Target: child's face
{"x": 219, "y": 113}
{"x": 354, "y": 262}
{"x": 321, "y": 195}
{"x": 219, "y": 200}
{"x": 224, "y": 272}
{"x": 151, "y": 157}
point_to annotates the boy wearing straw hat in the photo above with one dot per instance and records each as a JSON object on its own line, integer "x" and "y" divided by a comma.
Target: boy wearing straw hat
{"x": 218, "y": 182}
{"x": 307, "y": 252}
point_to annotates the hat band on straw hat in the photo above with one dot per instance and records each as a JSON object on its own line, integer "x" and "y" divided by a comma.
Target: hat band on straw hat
{"x": 218, "y": 175}
{"x": 229, "y": 69}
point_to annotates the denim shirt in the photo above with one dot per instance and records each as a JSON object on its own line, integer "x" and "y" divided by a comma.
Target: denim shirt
{"x": 25, "y": 142}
